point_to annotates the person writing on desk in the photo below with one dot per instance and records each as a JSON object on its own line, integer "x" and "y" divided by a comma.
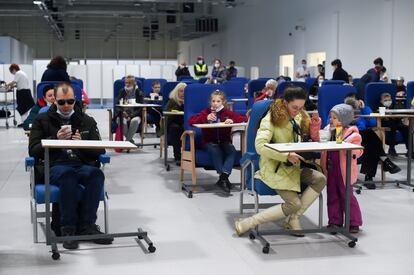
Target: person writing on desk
{"x": 68, "y": 168}
{"x": 218, "y": 140}
{"x": 286, "y": 121}
{"x": 176, "y": 123}
{"x": 130, "y": 117}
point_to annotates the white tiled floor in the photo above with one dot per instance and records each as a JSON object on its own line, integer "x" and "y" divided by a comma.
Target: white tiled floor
{"x": 194, "y": 236}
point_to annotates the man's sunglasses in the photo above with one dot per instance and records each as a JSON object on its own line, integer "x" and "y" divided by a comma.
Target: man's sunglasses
{"x": 63, "y": 101}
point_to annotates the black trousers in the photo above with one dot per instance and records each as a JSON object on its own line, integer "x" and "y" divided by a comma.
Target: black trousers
{"x": 395, "y": 125}
{"x": 174, "y": 138}
{"x": 373, "y": 150}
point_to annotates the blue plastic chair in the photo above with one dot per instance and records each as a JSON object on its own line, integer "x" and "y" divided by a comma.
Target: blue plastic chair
{"x": 282, "y": 86}
{"x": 147, "y": 88}
{"x": 329, "y": 96}
{"x": 255, "y": 86}
{"x": 355, "y": 81}
{"x": 374, "y": 90}
{"x": 185, "y": 77}
{"x": 38, "y": 190}
{"x": 333, "y": 82}
{"x": 235, "y": 90}
{"x": 39, "y": 89}
{"x": 241, "y": 79}
{"x": 194, "y": 155}
{"x": 310, "y": 81}
{"x": 202, "y": 80}
{"x": 410, "y": 94}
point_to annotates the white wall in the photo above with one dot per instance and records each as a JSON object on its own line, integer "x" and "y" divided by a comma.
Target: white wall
{"x": 355, "y": 31}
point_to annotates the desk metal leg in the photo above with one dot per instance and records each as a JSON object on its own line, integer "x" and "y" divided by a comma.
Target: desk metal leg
{"x": 410, "y": 150}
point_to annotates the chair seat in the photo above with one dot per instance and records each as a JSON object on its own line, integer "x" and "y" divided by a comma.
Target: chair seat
{"x": 203, "y": 158}
{"x": 40, "y": 191}
{"x": 261, "y": 188}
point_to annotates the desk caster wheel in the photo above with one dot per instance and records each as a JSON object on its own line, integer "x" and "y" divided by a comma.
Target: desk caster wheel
{"x": 155, "y": 146}
{"x": 167, "y": 167}
{"x": 15, "y": 122}
{"x": 140, "y": 237}
{"x": 358, "y": 191}
{"x": 190, "y": 194}
{"x": 265, "y": 249}
{"x": 397, "y": 184}
{"x": 252, "y": 236}
{"x": 413, "y": 189}
{"x": 55, "y": 256}
{"x": 151, "y": 249}
{"x": 7, "y": 125}
{"x": 352, "y": 244}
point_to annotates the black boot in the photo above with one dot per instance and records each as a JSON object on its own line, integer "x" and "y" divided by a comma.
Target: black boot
{"x": 226, "y": 182}
{"x": 368, "y": 184}
{"x": 390, "y": 166}
{"x": 94, "y": 229}
{"x": 69, "y": 231}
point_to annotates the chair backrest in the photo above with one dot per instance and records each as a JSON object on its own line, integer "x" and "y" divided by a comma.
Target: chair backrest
{"x": 185, "y": 77}
{"x": 253, "y": 87}
{"x": 78, "y": 82}
{"x": 410, "y": 94}
{"x": 138, "y": 80}
{"x": 374, "y": 90}
{"x": 258, "y": 112}
{"x": 333, "y": 82}
{"x": 329, "y": 96}
{"x": 355, "y": 81}
{"x": 39, "y": 89}
{"x": 166, "y": 90}
{"x": 118, "y": 86}
{"x": 196, "y": 98}
{"x": 282, "y": 86}
{"x": 235, "y": 89}
{"x": 202, "y": 80}
{"x": 241, "y": 79}
{"x": 309, "y": 82}
{"x": 148, "y": 84}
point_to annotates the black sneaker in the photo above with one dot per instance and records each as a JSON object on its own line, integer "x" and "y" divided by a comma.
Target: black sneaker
{"x": 392, "y": 152}
{"x": 390, "y": 166}
{"x": 225, "y": 182}
{"x": 368, "y": 184}
{"x": 69, "y": 231}
{"x": 95, "y": 230}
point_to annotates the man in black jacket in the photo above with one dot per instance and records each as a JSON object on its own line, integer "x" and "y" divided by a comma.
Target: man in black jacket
{"x": 372, "y": 75}
{"x": 69, "y": 168}
{"x": 339, "y": 73}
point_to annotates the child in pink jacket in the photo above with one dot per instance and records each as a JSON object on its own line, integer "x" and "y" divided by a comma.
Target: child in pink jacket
{"x": 334, "y": 167}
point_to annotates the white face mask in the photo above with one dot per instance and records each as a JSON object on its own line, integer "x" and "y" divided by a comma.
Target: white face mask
{"x": 219, "y": 108}
{"x": 48, "y": 103}
{"x": 387, "y": 103}
{"x": 129, "y": 88}
{"x": 65, "y": 116}
{"x": 200, "y": 62}
{"x": 216, "y": 65}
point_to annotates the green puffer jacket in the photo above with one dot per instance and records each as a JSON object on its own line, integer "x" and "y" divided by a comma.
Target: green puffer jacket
{"x": 273, "y": 170}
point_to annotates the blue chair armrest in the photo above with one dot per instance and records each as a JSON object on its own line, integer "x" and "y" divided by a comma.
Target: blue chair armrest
{"x": 29, "y": 162}
{"x": 105, "y": 158}
{"x": 249, "y": 156}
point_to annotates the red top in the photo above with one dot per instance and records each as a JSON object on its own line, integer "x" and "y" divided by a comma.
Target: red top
{"x": 216, "y": 135}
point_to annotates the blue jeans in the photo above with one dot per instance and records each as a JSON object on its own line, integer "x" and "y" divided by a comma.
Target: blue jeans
{"x": 223, "y": 155}
{"x": 68, "y": 177}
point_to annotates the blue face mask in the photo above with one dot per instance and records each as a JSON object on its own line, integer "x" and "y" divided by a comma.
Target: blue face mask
{"x": 65, "y": 116}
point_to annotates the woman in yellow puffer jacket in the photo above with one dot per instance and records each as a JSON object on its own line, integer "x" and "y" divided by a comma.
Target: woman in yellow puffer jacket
{"x": 285, "y": 122}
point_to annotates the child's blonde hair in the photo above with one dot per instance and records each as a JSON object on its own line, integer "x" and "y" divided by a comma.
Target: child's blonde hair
{"x": 221, "y": 94}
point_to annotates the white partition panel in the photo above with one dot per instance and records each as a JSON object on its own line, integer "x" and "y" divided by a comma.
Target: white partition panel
{"x": 241, "y": 72}
{"x": 254, "y": 72}
{"x": 80, "y": 72}
{"x": 118, "y": 72}
{"x": 191, "y": 70}
{"x": 151, "y": 71}
{"x": 168, "y": 72}
{"x": 94, "y": 79}
{"x": 133, "y": 70}
{"x": 107, "y": 80}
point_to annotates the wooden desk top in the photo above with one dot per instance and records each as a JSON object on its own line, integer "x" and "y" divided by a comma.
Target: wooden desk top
{"x": 312, "y": 146}
{"x": 239, "y": 99}
{"x": 389, "y": 115}
{"x": 219, "y": 125}
{"x": 170, "y": 113}
{"x": 87, "y": 144}
{"x": 137, "y": 105}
